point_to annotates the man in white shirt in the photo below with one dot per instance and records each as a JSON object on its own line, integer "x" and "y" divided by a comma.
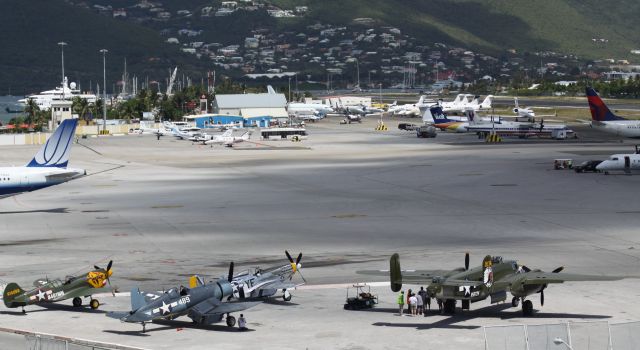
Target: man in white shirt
{"x": 413, "y": 303}
{"x": 242, "y": 323}
{"x": 420, "y": 304}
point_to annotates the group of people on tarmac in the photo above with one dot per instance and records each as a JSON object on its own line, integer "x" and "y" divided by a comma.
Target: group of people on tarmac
{"x": 417, "y": 303}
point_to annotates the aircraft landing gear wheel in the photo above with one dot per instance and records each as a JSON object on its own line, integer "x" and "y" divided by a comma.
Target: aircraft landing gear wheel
{"x": 450, "y": 306}
{"x": 24, "y": 312}
{"x": 94, "y": 303}
{"x": 144, "y": 327}
{"x": 527, "y": 308}
{"x": 77, "y": 302}
{"x": 231, "y": 321}
{"x": 515, "y": 301}
{"x": 286, "y": 296}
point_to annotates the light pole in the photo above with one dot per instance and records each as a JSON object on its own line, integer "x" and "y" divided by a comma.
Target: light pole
{"x": 104, "y": 92}
{"x": 559, "y": 341}
{"x": 62, "y": 45}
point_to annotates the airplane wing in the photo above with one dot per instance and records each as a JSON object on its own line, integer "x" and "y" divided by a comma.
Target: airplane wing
{"x": 213, "y": 306}
{"x": 540, "y": 277}
{"x": 408, "y": 275}
{"x": 60, "y": 176}
{"x": 460, "y": 283}
{"x": 280, "y": 285}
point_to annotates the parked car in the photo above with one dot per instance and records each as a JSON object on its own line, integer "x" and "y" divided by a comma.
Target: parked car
{"x": 589, "y": 165}
{"x": 407, "y": 126}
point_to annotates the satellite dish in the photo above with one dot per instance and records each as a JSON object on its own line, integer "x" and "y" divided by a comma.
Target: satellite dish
{"x": 72, "y": 85}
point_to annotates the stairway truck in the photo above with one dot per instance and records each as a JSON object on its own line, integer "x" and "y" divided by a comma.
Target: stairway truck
{"x": 426, "y": 131}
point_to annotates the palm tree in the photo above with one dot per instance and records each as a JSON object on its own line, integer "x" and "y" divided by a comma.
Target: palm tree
{"x": 32, "y": 110}
{"x": 81, "y": 106}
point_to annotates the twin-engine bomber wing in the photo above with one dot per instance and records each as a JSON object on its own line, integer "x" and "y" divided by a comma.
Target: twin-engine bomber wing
{"x": 540, "y": 277}
{"x": 408, "y": 275}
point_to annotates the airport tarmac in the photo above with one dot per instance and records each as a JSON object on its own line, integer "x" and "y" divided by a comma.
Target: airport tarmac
{"x": 348, "y": 197}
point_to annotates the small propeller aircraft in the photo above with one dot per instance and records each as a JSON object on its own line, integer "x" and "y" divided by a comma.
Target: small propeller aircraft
{"x": 492, "y": 280}
{"x": 72, "y": 287}
{"x": 203, "y": 303}
{"x": 259, "y": 283}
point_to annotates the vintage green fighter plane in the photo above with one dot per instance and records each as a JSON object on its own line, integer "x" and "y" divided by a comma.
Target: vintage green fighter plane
{"x": 72, "y": 287}
{"x": 494, "y": 279}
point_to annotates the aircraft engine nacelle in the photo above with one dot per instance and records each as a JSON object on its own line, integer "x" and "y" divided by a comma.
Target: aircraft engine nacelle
{"x": 519, "y": 289}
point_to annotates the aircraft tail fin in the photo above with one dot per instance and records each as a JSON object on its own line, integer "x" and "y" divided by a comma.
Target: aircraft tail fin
{"x": 438, "y": 115}
{"x": 599, "y": 110}
{"x": 270, "y": 89}
{"x": 471, "y": 115}
{"x": 488, "y": 102}
{"x": 137, "y": 299}
{"x": 55, "y": 152}
{"x": 11, "y": 291}
{"x": 421, "y": 100}
{"x": 395, "y": 274}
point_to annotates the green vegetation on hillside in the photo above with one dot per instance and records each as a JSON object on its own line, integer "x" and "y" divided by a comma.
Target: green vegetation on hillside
{"x": 31, "y": 57}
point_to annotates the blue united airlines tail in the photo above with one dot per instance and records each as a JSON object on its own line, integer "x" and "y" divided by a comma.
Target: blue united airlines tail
{"x": 55, "y": 152}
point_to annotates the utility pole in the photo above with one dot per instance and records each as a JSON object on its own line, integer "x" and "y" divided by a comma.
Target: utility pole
{"x": 104, "y": 92}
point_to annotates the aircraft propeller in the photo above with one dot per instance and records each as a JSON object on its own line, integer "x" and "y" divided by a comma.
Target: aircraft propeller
{"x": 556, "y": 270}
{"x": 106, "y": 270}
{"x": 298, "y": 266}
{"x": 466, "y": 261}
{"x": 230, "y": 276}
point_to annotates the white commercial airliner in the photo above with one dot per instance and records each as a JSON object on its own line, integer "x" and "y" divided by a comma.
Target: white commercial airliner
{"x": 603, "y": 119}
{"x": 47, "y": 168}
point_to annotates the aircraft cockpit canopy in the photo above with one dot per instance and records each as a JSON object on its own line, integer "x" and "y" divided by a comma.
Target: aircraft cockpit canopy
{"x": 496, "y": 259}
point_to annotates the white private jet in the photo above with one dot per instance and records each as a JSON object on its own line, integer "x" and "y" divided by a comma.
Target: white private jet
{"x": 462, "y": 104}
{"x": 621, "y": 162}
{"x": 47, "y": 168}
{"x": 603, "y": 119}
{"x": 410, "y": 109}
{"x": 146, "y": 129}
{"x": 227, "y": 139}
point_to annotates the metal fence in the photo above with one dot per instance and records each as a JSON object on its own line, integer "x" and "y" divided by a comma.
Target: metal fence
{"x": 599, "y": 335}
{"x": 16, "y": 339}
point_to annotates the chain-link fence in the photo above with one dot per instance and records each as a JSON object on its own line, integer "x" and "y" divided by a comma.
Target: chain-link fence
{"x": 14, "y": 339}
{"x": 600, "y": 335}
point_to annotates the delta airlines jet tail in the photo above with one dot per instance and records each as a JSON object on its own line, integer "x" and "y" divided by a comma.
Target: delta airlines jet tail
{"x": 602, "y": 118}
{"x": 47, "y": 168}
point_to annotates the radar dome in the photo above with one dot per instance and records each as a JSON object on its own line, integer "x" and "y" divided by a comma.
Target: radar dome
{"x": 72, "y": 85}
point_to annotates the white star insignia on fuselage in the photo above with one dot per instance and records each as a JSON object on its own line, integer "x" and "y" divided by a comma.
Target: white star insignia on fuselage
{"x": 166, "y": 308}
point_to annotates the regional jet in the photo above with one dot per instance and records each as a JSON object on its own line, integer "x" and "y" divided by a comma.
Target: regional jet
{"x": 603, "y": 119}
{"x": 47, "y": 168}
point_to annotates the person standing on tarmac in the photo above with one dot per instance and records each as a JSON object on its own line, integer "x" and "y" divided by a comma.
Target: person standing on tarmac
{"x": 401, "y": 301}
{"x": 242, "y": 323}
{"x": 407, "y": 301}
{"x": 419, "y": 303}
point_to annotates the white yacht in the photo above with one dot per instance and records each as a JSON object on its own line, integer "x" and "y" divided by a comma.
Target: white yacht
{"x": 65, "y": 92}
